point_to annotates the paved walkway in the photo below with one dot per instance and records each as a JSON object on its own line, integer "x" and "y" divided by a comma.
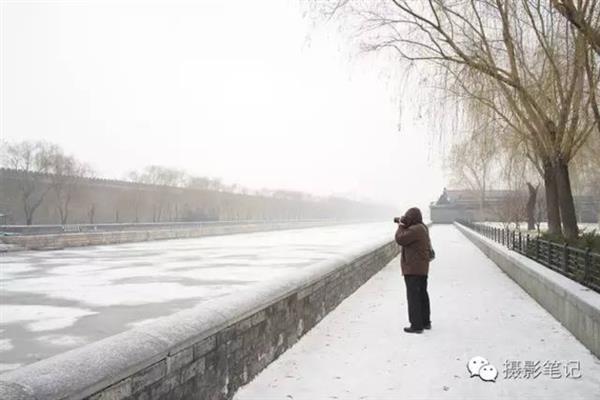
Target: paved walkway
{"x": 359, "y": 351}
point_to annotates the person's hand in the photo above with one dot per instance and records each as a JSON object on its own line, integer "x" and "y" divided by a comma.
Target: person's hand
{"x": 403, "y": 221}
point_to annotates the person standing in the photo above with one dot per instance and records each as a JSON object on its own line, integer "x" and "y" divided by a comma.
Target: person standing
{"x": 413, "y": 236}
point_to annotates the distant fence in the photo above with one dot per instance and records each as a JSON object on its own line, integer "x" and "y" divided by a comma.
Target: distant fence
{"x": 582, "y": 266}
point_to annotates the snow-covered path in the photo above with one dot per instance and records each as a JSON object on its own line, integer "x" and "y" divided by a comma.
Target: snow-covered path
{"x": 359, "y": 351}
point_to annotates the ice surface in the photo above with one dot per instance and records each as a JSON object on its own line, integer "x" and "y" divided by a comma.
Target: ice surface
{"x": 5, "y": 345}
{"x": 41, "y": 318}
{"x": 85, "y": 294}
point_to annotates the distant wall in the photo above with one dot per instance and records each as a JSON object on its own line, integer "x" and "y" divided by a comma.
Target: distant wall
{"x": 573, "y": 305}
{"x": 113, "y": 201}
{"x": 447, "y": 214}
{"x": 204, "y": 353}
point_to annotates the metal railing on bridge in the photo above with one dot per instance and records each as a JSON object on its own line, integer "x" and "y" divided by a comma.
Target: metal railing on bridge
{"x": 580, "y": 265}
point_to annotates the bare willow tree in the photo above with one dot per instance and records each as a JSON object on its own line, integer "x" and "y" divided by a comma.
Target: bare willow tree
{"x": 202, "y": 182}
{"x": 65, "y": 172}
{"x": 584, "y": 15}
{"x": 532, "y": 62}
{"x": 31, "y": 161}
{"x": 472, "y": 159}
{"x": 510, "y": 209}
{"x": 518, "y": 173}
{"x": 587, "y": 164}
{"x": 501, "y": 157}
{"x": 166, "y": 179}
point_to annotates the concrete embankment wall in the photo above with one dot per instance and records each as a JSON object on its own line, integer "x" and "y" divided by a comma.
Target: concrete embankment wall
{"x": 206, "y": 352}
{"x": 576, "y": 307}
{"x": 62, "y": 240}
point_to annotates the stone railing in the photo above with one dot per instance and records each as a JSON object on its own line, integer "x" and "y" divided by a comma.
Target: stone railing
{"x": 144, "y": 226}
{"x": 146, "y": 232}
{"x": 206, "y": 352}
{"x": 572, "y": 304}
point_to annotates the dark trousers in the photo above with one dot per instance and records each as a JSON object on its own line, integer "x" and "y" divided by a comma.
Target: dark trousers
{"x": 418, "y": 300}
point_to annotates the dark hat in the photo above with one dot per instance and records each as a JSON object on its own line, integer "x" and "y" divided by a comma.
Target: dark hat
{"x": 413, "y": 216}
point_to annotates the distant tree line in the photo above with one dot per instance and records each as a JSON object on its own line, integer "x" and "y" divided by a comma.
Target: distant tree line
{"x": 33, "y": 160}
{"x": 41, "y": 176}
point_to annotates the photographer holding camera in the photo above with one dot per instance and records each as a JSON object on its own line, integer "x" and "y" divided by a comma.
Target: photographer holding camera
{"x": 413, "y": 236}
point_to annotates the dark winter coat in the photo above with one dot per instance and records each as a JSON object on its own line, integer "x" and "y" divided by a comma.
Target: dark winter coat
{"x": 413, "y": 236}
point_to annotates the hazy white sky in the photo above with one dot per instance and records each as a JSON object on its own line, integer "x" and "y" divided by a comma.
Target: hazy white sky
{"x": 245, "y": 91}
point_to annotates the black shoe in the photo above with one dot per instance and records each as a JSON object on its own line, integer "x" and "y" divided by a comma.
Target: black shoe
{"x": 428, "y": 326}
{"x": 410, "y": 329}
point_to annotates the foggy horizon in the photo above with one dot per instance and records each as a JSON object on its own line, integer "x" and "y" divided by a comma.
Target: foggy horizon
{"x": 123, "y": 87}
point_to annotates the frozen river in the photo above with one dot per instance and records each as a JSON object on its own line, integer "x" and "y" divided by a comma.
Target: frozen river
{"x": 54, "y": 301}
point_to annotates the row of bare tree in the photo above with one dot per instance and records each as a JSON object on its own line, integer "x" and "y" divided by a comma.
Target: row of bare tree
{"x": 170, "y": 178}
{"x": 45, "y": 172}
{"x": 34, "y": 160}
{"x": 524, "y": 75}
{"x": 166, "y": 176}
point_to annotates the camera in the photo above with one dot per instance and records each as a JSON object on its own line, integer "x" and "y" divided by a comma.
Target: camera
{"x": 400, "y": 220}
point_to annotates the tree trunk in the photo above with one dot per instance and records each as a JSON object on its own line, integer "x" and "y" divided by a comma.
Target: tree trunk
{"x": 65, "y": 212}
{"x": 64, "y": 218}
{"x": 29, "y": 214}
{"x": 62, "y": 215}
{"x": 92, "y": 213}
{"x": 531, "y": 206}
{"x": 552, "y": 207}
{"x": 565, "y": 199}
{"x": 482, "y": 204}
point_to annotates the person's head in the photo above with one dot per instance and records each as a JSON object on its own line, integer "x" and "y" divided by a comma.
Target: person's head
{"x": 413, "y": 216}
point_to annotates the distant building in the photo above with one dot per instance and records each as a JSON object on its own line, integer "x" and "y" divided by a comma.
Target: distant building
{"x": 466, "y": 204}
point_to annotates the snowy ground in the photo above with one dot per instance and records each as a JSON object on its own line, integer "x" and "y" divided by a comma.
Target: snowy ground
{"x": 359, "y": 351}
{"x": 54, "y": 301}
